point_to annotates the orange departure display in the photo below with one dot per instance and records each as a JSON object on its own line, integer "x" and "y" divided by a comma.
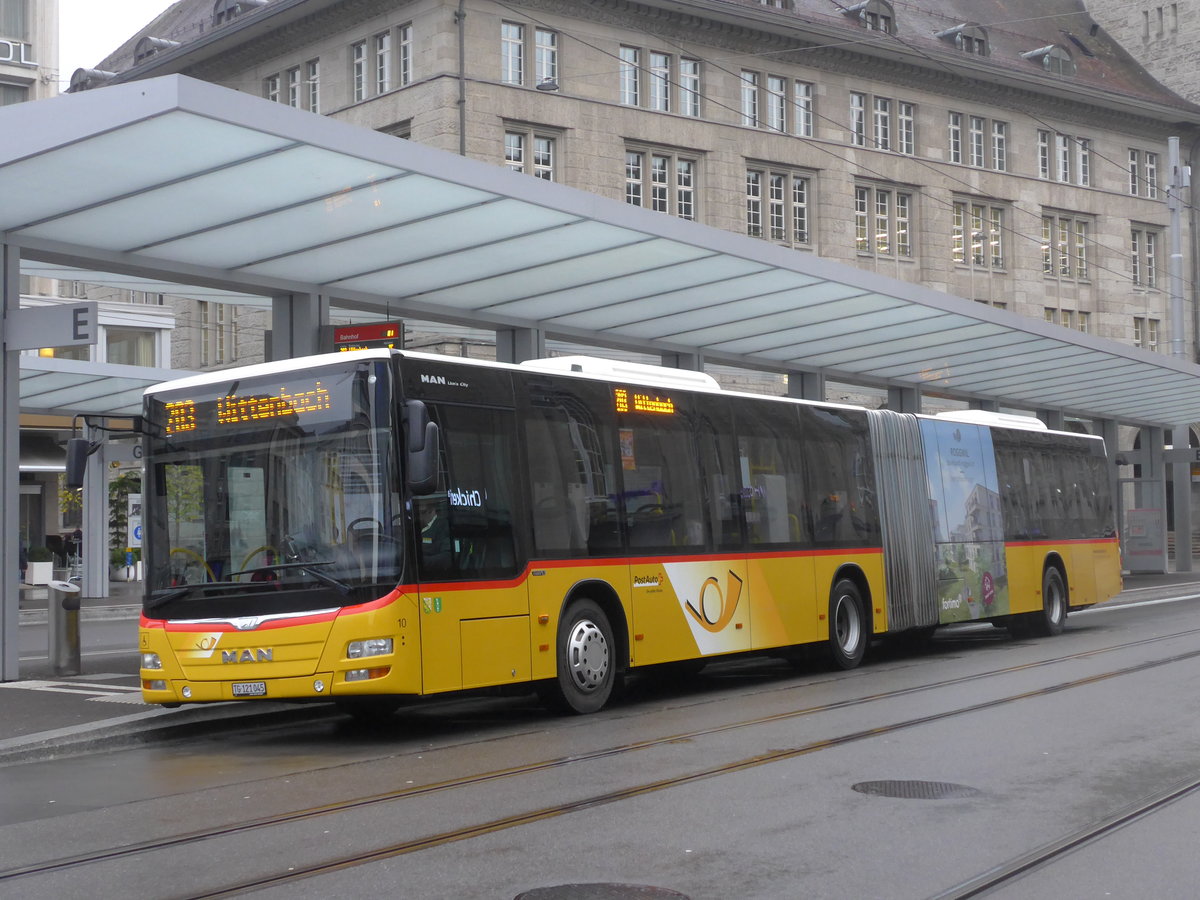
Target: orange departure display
{"x": 634, "y": 401}
{"x": 235, "y": 409}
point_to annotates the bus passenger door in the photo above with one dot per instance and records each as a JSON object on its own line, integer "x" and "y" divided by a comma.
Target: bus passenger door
{"x": 472, "y": 604}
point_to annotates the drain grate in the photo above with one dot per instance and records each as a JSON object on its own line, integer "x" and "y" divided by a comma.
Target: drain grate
{"x": 600, "y": 892}
{"x": 916, "y": 790}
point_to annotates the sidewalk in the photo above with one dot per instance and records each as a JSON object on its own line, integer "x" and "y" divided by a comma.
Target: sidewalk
{"x": 99, "y": 710}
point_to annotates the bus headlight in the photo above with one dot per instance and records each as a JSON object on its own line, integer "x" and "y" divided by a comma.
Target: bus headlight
{"x": 151, "y": 661}
{"x": 369, "y": 647}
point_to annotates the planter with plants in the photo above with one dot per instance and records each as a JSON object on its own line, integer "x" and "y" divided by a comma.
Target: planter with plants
{"x": 40, "y": 566}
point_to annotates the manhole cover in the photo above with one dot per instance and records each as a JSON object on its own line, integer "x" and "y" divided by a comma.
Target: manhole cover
{"x": 600, "y": 892}
{"x": 916, "y": 790}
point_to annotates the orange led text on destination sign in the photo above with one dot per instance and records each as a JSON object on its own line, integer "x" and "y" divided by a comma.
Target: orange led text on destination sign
{"x": 627, "y": 401}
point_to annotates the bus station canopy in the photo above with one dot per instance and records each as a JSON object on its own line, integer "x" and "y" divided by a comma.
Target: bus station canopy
{"x": 187, "y": 182}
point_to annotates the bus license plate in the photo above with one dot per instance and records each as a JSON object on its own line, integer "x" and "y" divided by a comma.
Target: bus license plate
{"x": 249, "y": 689}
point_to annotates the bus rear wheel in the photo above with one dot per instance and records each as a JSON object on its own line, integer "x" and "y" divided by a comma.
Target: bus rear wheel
{"x": 1053, "y": 617}
{"x": 587, "y": 667}
{"x": 847, "y": 626}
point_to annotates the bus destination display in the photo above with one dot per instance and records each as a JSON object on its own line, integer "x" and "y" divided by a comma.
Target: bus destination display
{"x": 634, "y": 401}
{"x": 294, "y": 402}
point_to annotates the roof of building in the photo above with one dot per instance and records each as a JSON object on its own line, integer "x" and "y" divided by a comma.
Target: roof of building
{"x": 1015, "y": 31}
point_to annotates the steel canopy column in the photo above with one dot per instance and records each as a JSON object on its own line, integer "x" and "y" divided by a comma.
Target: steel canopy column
{"x": 95, "y": 521}
{"x": 1181, "y": 487}
{"x": 693, "y": 362}
{"x": 10, "y": 462}
{"x": 515, "y": 345}
{"x": 1053, "y": 418}
{"x": 806, "y": 385}
{"x": 296, "y": 323}
{"x": 904, "y": 399}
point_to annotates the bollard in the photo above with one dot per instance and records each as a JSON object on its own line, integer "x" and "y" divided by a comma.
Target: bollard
{"x": 63, "y": 621}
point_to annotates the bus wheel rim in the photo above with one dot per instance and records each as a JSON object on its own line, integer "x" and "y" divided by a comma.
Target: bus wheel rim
{"x": 846, "y": 625}
{"x": 587, "y": 655}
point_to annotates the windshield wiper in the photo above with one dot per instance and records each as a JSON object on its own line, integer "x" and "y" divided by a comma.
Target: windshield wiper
{"x": 340, "y": 586}
{"x": 166, "y": 595}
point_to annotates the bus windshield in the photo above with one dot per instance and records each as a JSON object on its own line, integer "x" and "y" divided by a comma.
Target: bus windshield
{"x": 273, "y": 494}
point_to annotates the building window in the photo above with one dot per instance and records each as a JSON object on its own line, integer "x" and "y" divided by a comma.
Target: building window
{"x": 358, "y": 70}
{"x": 1053, "y": 58}
{"x": 802, "y": 98}
{"x": 1143, "y": 174}
{"x": 881, "y": 122}
{"x": 227, "y": 10}
{"x": 545, "y": 56}
{"x": 906, "y": 123}
{"x": 13, "y": 93}
{"x": 1145, "y": 333}
{"x": 1144, "y": 244}
{"x": 1062, "y": 157}
{"x": 777, "y": 103}
{"x": 630, "y": 76}
{"x": 271, "y": 88}
{"x": 405, "y": 35}
{"x": 512, "y": 53}
{"x": 858, "y": 119}
{"x": 530, "y": 152}
{"x": 660, "y": 82}
{"x": 1000, "y": 146}
{"x": 954, "y": 125}
{"x": 14, "y": 19}
{"x": 383, "y": 62}
{"x": 129, "y": 346}
{"x": 967, "y": 38}
{"x": 978, "y": 235}
{"x": 1065, "y": 242}
{"x": 218, "y": 336}
{"x": 293, "y": 87}
{"x": 977, "y": 143}
{"x": 667, "y": 84}
{"x": 777, "y": 206}
{"x": 750, "y": 99}
{"x": 874, "y": 15}
{"x": 312, "y": 77}
{"x": 882, "y": 222}
{"x": 662, "y": 181}
{"x": 689, "y": 87}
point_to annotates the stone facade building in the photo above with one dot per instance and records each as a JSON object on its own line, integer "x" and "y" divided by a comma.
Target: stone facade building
{"x": 1018, "y": 160}
{"x": 1164, "y": 37}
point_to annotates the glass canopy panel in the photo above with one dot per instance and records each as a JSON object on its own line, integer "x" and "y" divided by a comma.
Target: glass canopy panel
{"x": 1153, "y": 390}
{"x": 985, "y": 356}
{"x": 917, "y": 342}
{"x": 355, "y": 257}
{"x": 363, "y": 210}
{"x": 749, "y": 335}
{"x": 1022, "y": 361}
{"x": 235, "y": 191}
{"x": 122, "y": 162}
{"x": 490, "y": 292}
{"x": 512, "y": 256}
{"x": 643, "y": 286}
{"x": 831, "y": 337}
{"x": 710, "y": 302}
{"x": 1079, "y": 374}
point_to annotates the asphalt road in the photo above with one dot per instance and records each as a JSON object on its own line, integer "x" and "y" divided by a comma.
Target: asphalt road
{"x": 916, "y": 775}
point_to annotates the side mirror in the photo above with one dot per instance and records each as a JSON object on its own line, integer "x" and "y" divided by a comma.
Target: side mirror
{"x": 422, "y": 446}
{"x": 77, "y": 454}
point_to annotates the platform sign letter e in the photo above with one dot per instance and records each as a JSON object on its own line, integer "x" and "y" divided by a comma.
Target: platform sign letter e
{"x": 62, "y": 325}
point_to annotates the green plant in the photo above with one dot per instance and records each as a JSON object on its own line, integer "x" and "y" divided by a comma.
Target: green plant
{"x": 119, "y": 490}
{"x": 39, "y": 554}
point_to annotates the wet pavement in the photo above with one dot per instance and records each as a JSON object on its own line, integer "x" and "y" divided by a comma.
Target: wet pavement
{"x": 43, "y": 715}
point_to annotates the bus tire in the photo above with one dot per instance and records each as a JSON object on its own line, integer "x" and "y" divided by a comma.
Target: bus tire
{"x": 587, "y": 665}
{"x": 1053, "y": 616}
{"x": 847, "y": 625}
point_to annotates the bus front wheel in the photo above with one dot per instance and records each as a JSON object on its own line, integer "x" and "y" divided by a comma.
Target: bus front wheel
{"x": 587, "y": 667}
{"x": 847, "y": 625}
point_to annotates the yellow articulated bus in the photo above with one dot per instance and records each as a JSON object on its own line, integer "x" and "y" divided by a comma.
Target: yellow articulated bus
{"x": 368, "y": 526}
